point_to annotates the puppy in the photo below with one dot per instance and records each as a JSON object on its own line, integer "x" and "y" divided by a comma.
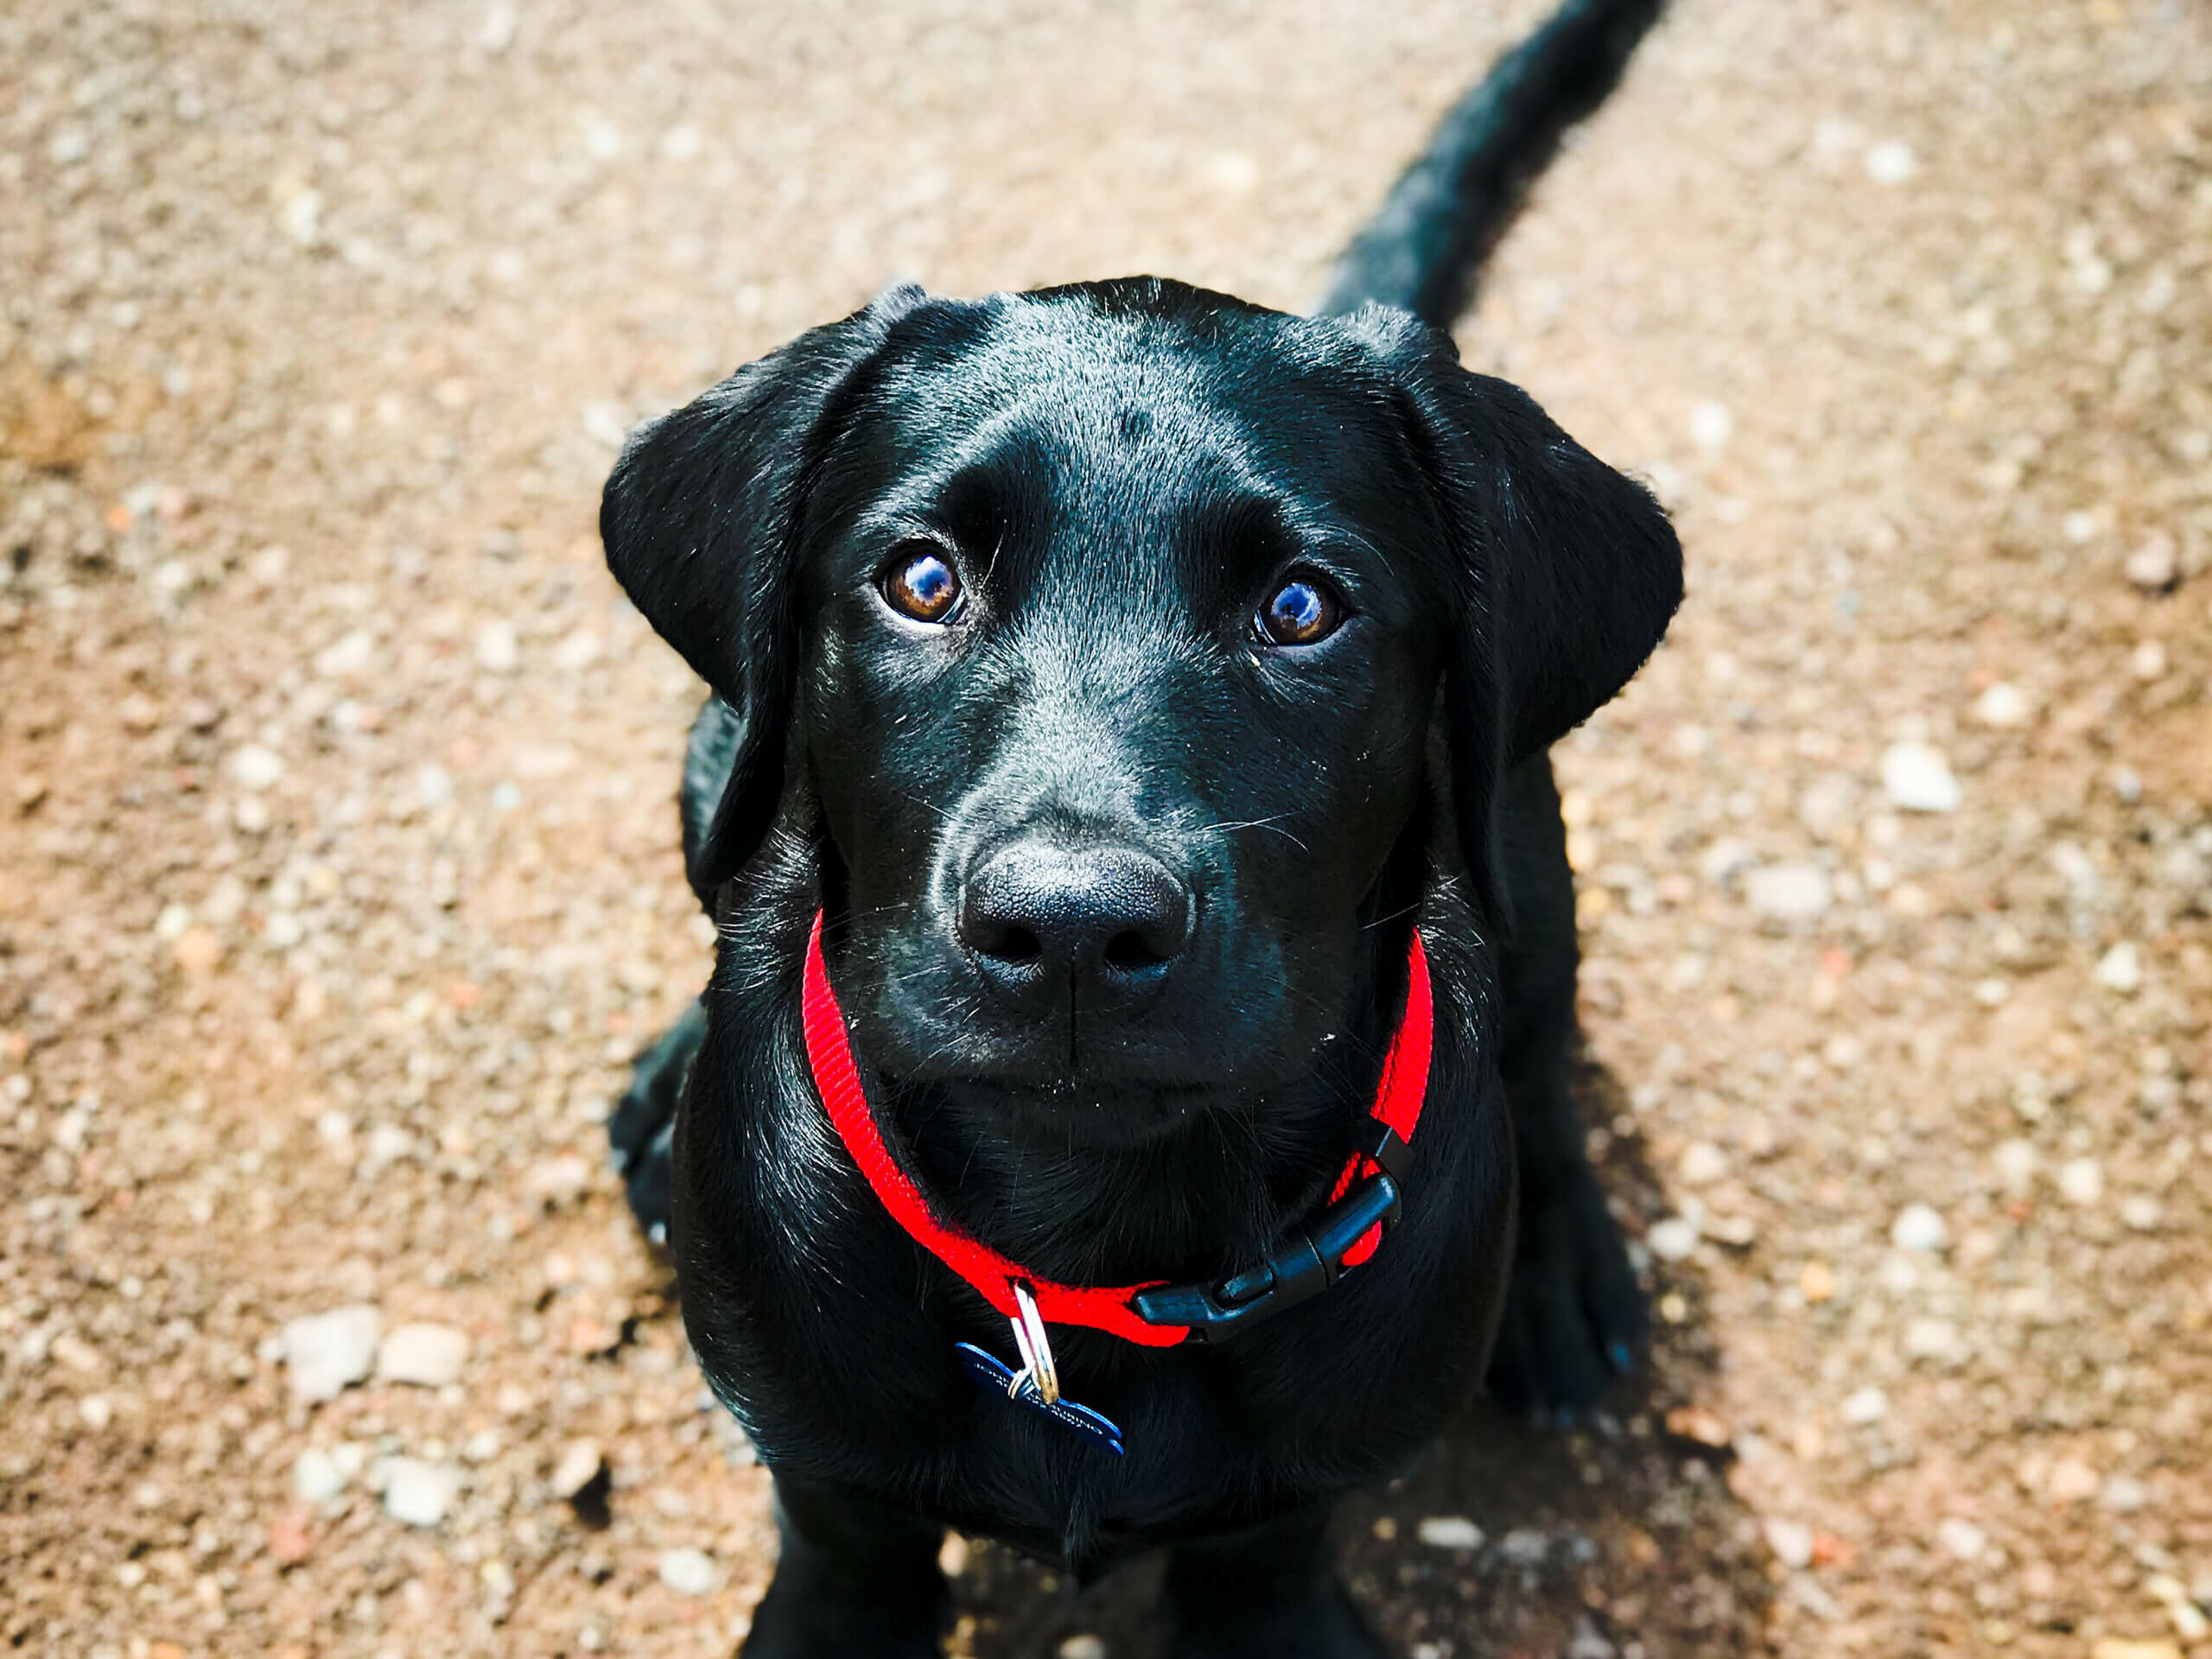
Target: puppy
{"x": 1130, "y": 1106}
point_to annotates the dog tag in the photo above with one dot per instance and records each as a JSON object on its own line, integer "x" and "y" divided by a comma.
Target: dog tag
{"x": 995, "y": 1377}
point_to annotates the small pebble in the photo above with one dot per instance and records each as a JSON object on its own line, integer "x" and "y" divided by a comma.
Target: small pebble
{"x": 580, "y": 1462}
{"x": 2147, "y": 661}
{"x": 2082, "y": 1182}
{"x": 327, "y": 1353}
{"x": 497, "y": 651}
{"x": 316, "y": 1477}
{"x": 428, "y": 1355}
{"x": 2123, "y": 1494}
{"x": 2003, "y": 705}
{"x": 1918, "y": 779}
{"x": 420, "y": 1493}
{"x": 1703, "y": 1163}
{"x": 1791, "y": 1541}
{"x": 1892, "y": 162}
{"x": 2070, "y": 1481}
{"x": 1789, "y": 893}
{"x": 1936, "y": 1340}
{"x": 1083, "y": 1646}
{"x": 1961, "y": 1538}
{"x": 2152, "y": 566}
{"x": 1672, "y": 1239}
{"x": 2120, "y": 968}
{"x": 256, "y": 767}
{"x": 1449, "y": 1532}
{"x": 688, "y": 1571}
{"x": 1864, "y": 1406}
{"x": 1918, "y": 1227}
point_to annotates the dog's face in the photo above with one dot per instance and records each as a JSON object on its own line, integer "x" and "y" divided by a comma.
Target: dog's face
{"x": 1099, "y": 633}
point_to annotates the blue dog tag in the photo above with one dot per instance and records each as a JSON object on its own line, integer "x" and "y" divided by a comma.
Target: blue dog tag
{"x": 994, "y": 1377}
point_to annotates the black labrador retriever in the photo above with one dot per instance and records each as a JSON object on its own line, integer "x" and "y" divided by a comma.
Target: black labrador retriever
{"x": 1131, "y": 1107}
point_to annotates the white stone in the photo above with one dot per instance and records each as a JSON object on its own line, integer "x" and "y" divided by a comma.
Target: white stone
{"x": 2147, "y": 661}
{"x": 1916, "y": 777}
{"x": 497, "y": 651}
{"x": 347, "y": 657}
{"x": 302, "y": 218}
{"x": 2004, "y": 705}
{"x": 1918, "y": 1227}
{"x": 2123, "y": 1494}
{"x": 2142, "y": 1212}
{"x": 497, "y": 32}
{"x": 1672, "y": 1239}
{"x": 2120, "y": 968}
{"x": 316, "y": 1477}
{"x": 1933, "y": 1340}
{"x": 420, "y": 1493}
{"x": 688, "y": 1571}
{"x": 1794, "y": 891}
{"x": 1725, "y": 859}
{"x": 1961, "y": 1538}
{"x": 580, "y": 1462}
{"x": 2016, "y": 1164}
{"x": 1865, "y": 1405}
{"x": 428, "y": 1355}
{"x": 1891, "y": 161}
{"x": 1791, "y": 1541}
{"x": 1449, "y": 1532}
{"x": 605, "y": 422}
{"x": 256, "y": 767}
{"x": 324, "y": 1354}
{"x": 2081, "y": 1180}
{"x": 2152, "y": 566}
{"x": 1083, "y": 1645}
{"x": 432, "y": 786}
{"x": 1703, "y": 1163}
{"x": 1712, "y": 425}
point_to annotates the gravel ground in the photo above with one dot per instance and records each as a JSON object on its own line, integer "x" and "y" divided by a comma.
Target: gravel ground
{"x": 338, "y": 869}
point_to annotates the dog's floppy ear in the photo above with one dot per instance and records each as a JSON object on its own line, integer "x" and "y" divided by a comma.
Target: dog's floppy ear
{"x": 1567, "y": 574}
{"x": 701, "y": 518}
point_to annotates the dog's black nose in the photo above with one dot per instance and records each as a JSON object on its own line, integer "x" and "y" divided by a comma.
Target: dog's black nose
{"x": 1099, "y": 925}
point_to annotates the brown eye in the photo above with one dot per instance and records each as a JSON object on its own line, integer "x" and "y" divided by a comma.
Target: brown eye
{"x": 919, "y": 582}
{"x": 1304, "y": 611}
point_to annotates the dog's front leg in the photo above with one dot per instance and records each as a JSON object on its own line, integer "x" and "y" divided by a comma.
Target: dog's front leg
{"x": 855, "y": 1577}
{"x": 1270, "y": 1594}
{"x": 1575, "y": 1316}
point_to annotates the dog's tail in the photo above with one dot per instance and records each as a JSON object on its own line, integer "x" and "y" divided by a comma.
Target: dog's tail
{"x": 1423, "y": 249}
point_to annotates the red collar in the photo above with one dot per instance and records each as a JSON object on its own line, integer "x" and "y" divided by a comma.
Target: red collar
{"x": 1344, "y": 1236}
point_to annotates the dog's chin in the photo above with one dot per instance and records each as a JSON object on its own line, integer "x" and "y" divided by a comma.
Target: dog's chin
{"x": 1069, "y": 1114}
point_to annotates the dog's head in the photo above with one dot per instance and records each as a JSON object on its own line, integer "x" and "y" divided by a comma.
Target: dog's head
{"x": 1096, "y": 637}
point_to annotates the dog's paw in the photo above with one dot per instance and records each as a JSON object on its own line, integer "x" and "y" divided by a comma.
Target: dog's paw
{"x": 1575, "y": 1316}
{"x": 642, "y": 1127}
{"x": 1324, "y": 1624}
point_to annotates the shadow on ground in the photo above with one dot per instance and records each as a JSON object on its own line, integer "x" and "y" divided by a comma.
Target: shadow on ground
{"x": 1619, "y": 1538}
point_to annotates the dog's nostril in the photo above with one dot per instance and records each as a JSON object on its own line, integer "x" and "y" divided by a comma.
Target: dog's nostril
{"x": 1131, "y": 952}
{"x": 1015, "y": 944}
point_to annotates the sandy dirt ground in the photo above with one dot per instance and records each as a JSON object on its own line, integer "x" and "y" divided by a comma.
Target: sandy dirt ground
{"x": 337, "y": 867}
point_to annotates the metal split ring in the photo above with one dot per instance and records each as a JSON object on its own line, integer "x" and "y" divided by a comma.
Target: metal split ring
{"x": 1036, "y": 1348}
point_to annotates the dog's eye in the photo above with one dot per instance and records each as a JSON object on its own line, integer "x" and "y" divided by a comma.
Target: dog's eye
{"x": 920, "y": 582}
{"x": 1304, "y": 611}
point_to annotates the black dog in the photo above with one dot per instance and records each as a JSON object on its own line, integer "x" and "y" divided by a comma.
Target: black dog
{"x": 1150, "y": 694}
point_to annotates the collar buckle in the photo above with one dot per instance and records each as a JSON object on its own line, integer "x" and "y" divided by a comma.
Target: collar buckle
{"x": 1300, "y": 1269}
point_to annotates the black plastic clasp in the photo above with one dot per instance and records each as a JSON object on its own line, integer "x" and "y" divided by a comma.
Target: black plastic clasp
{"x": 1300, "y": 1269}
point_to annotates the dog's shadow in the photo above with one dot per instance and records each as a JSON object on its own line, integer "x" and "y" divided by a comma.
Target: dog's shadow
{"x": 1617, "y": 1537}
